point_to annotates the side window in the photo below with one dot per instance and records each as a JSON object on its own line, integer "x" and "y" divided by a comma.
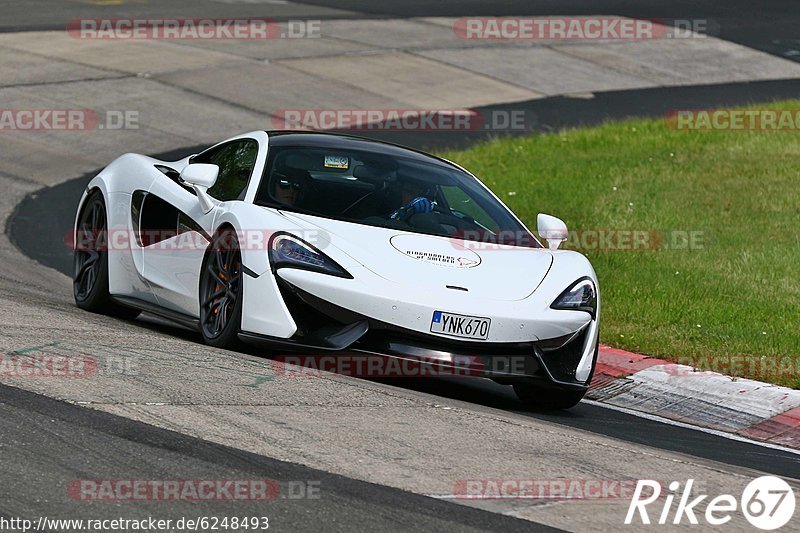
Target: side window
{"x": 235, "y": 161}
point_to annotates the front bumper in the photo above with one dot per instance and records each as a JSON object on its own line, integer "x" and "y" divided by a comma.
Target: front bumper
{"x": 326, "y": 328}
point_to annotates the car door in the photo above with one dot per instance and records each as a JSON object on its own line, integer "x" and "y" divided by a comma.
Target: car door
{"x": 173, "y": 261}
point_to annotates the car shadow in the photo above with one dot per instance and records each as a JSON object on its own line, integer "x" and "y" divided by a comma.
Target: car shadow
{"x": 475, "y": 390}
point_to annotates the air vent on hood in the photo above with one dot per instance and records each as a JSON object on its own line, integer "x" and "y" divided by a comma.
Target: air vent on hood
{"x": 456, "y": 288}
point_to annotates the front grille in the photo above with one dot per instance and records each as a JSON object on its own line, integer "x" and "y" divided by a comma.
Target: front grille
{"x": 563, "y": 362}
{"x": 307, "y": 317}
{"x": 312, "y": 315}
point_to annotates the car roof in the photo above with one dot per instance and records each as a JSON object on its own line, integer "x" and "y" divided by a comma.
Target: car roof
{"x": 352, "y": 142}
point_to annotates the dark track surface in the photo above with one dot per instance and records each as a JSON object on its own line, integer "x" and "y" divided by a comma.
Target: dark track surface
{"x": 47, "y": 443}
{"x": 769, "y": 25}
{"x": 623, "y": 426}
{"x": 42, "y": 221}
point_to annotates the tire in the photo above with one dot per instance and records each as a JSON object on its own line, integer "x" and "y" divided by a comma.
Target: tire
{"x": 90, "y": 262}
{"x": 550, "y": 398}
{"x": 221, "y": 292}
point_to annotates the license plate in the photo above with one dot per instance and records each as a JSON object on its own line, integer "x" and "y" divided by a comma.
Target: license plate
{"x": 468, "y": 327}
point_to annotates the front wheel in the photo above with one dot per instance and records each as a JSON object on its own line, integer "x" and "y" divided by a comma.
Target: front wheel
{"x": 548, "y": 398}
{"x": 90, "y": 261}
{"x": 221, "y": 292}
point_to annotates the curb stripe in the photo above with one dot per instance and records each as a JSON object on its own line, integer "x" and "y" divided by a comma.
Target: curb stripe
{"x": 755, "y": 410}
{"x": 783, "y": 429}
{"x": 619, "y": 363}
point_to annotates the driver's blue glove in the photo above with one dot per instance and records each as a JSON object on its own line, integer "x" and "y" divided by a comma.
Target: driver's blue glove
{"x": 420, "y": 204}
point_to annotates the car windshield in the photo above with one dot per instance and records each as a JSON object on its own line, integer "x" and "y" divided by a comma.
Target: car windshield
{"x": 388, "y": 191}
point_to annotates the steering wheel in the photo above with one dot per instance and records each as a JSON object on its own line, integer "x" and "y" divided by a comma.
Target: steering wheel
{"x": 357, "y": 202}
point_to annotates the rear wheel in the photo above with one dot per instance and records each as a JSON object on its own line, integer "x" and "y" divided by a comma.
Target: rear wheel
{"x": 221, "y": 292}
{"x": 90, "y": 262}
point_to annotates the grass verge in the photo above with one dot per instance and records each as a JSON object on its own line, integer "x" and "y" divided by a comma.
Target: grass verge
{"x": 717, "y": 284}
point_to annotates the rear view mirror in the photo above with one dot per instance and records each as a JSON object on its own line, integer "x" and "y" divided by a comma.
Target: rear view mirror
{"x": 200, "y": 174}
{"x": 551, "y": 229}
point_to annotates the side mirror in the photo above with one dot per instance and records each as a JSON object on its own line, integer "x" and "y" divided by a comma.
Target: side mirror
{"x": 201, "y": 176}
{"x": 551, "y": 229}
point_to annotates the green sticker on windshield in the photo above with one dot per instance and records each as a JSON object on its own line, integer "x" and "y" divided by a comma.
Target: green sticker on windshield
{"x": 337, "y": 161}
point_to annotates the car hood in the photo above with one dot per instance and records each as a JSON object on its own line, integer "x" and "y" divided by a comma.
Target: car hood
{"x": 435, "y": 263}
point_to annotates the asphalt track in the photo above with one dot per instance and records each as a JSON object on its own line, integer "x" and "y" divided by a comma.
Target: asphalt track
{"x": 769, "y": 25}
{"x": 42, "y": 222}
{"x": 46, "y": 441}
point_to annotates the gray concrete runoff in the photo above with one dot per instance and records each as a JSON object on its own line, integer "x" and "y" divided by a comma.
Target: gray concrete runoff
{"x": 184, "y": 95}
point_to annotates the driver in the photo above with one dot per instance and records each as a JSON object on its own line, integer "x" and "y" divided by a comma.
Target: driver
{"x": 288, "y": 190}
{"x": 413, "y": 201}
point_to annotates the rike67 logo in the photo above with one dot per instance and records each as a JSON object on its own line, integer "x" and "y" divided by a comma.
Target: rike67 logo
{"x": 766, "y": 502}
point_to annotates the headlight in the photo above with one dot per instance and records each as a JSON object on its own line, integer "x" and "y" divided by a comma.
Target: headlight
{"x": 289, "y": 251}
{"x": 580, "y": 296}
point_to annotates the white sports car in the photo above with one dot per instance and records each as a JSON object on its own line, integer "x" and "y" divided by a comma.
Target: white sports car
{"x": 323, "y": 243}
